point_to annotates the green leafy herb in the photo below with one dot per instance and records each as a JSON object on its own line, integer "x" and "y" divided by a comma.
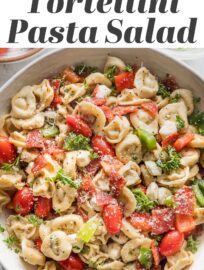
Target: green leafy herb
{"x": 169, "y": 202}
{"x": 197, "y": 120}
{"x": 93, "y": 155}
{"x": 192, "y": 244}
{"x": 84, "y": 70}
{"x": 175, "y": 99}
{"x": 179, "y": 122}
{"x": 76, "y": 142}
{"x": 88, "y": 230}
{"x": 65, "y": 179}
{"x": 128, "y": 68}
{"x": 11, "y": 241}
{"x": 2, "y": 229}
{"x": 111, "y": 72}
{"x": 35, "y": 220}
{"x": 145, "y": 257}
{"x": 50, "y": 131}
{"x": 144, "y": 204}
{"x": 10, "y": 166}
{"x": 113, "y": 91}
{"x": 163, "y": 91}
{"x": 170, "y": 160}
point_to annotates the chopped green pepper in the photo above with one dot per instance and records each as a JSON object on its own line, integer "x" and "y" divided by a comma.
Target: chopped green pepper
{"x": 50, "y": 131}
{"x": 147, "y": 139}
{"x": 145, "y": 257}
{"x": 199, "y": 195}
{"x": 88, "y": 230}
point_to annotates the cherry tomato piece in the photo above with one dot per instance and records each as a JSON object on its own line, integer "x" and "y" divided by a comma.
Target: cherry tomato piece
{"x": 183, "y": 141}
{"x": 169, "y": 140}
{"x": 7, "y": 151}
{"x": 155, "y": 253}
{"x": 108, "y": 112}
{"x": 112, "y": 217}
{"x": 123, "y": 110}
{"x": 103, "y": 199}
{"x": 23, "y": 201}
{"x": 43, "y": 207}
{"x": 79, "y": 126}
{"x": 38, "y": 243}
{"x": 141, "y": 221}
{"x": 124, "y": 80}
{"x": 72, "y": 263}
{"x": 70, "y": 76}
{"x": 151, "y": 108}
{"x": 185, "y": 223}
{"x": 185, "y": 201}
{"x": 171, "y": 243}
{"x": 4, "y": 50}
{"x": 101, "y": 146}
{"x": 55, "y": 84}
{"x": 163, "y": 220}
{"x": 39, "y": 163}
{"x": 34, "y": 139}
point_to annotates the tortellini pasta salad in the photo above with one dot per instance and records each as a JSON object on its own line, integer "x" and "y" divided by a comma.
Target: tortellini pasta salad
{"x": 103, "y": 170}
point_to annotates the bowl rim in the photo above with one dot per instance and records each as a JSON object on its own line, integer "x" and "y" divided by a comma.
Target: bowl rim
{"x": 23, "y": 56}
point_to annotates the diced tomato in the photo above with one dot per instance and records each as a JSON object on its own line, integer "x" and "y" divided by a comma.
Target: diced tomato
{"x": 79, "y": 126}
{"x": 98, "y": 101}
{"x": 185, "y": 223}
{"x": 163, "y": 220}
{"x": 43, "y": 207}
{"x": 124, "y": 80}
{"x": 112, "y": 217}
{"x": 4, "y": 50}
{"x": 39, "y": 163}
{"x": 123, "y": 110}
{"x": 117, "y": 182}
{"x": 51, "y": 148}
{"x": 55, "y": 84}
{"x": 72, "y": 263}
{"x": 141, "y": 221}
{"x": 185, "y": 201}
{"x": 108, "y": 113}
{"x": 171, "y": 243}
{"x": 93, "y": 167}
{"x": 103, "y": 199}
{"x": 155, "y": 253}
{"x": 170, "y": 140}
{"x": 151, "y": 108}
{"x": 23, "y": 201}
{"x": 34, "y": 139}
{"x": 87, "y": 186}
{"x": 183, "y": 141}
{"x": 101, "y": 146}
{"x": 70, "y": 76}
{"x": 7, "y": 151}
{"x": 38, "y": 243}
{"x": 109, "y": 163}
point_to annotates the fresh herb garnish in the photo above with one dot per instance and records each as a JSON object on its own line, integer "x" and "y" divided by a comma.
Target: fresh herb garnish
{"x": 84, "y": 70}
{"x": 50, "y": 131}
{"x": 179, "y": 122}
{"x": 65, "y": 179}
{"x": 175, "y": 99}
{"x": 192, "y": 244}
{"x": 163, "y": 91}
{"x": 128, "y": 68}
{"x": 93, "y": 155}
{"x": 145, "y": 257}
{"x": 144, "y": 204}
{"x": 35, "y": 220}
{"x": 10, "y": 166}
{"x": 197, "y": 120}
{"x": 111, "y": 72}
{"x": 11, "y": 241}
{"x": 169, "y": 162}
{"x": 2, "y": 229}
{"x": 76, "y": 142}
{"x": 113, "y": 91}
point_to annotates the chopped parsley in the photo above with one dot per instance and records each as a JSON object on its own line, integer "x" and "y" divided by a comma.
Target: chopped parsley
{"x": 144, "y": 204}
{"x": 145, "y": 257}
{"x": 169, "y": 162}
{"x": 111, "y": 72}
{"x": 2, "y": 229}
{"x": 128, "y": 68}
{"x": 84, "y": 70}
{"x": 179, "y": 122}
{"x": 197, "y": 120}
{"x": 36, "y": 221}
{"x": 192, "y": 244}
{"x": 65, "y": 179}
{"x": 11, "y": 241}
{"x": 93, "y": 155}
{"x": 113, "y": 91}
{"x": 163, "y": 91}
{"x": 76, "y": 142}
{"x": 175, "y": 99}
{"x": 10, "y": 166}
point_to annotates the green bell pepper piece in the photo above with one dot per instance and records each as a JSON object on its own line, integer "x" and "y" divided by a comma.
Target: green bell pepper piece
{"x": 145, "y": 257}
{"x": 88, "y": 230}
{"x": 50, "y": 131}
{"x": 199, "y": 195}
{"x": 147, "y": 139}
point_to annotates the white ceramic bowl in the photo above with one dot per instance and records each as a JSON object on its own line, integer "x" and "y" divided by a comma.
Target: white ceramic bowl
{"x": 53, "y": 62}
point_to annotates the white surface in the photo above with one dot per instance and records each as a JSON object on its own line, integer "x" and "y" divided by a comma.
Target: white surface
{"x": 8, "y": 70}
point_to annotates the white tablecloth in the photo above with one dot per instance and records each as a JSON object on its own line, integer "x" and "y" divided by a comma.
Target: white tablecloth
{"x": 7, "y": 70}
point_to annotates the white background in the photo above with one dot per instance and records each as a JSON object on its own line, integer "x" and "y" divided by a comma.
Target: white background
{"x": 18, "y": 9}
